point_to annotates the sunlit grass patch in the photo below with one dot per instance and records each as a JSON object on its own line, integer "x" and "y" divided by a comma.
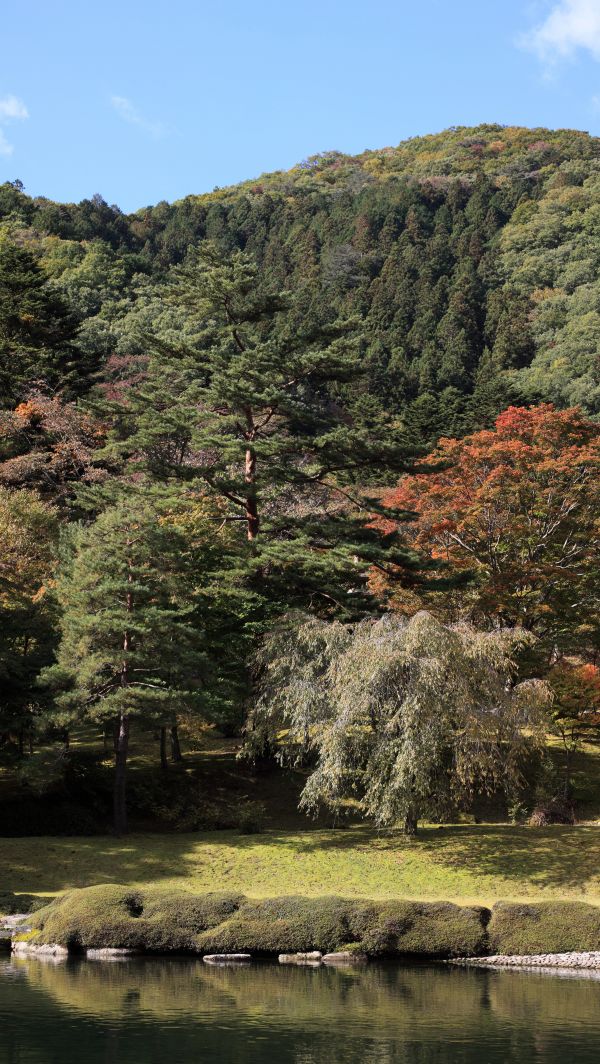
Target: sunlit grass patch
{"x": 479, "y": 864}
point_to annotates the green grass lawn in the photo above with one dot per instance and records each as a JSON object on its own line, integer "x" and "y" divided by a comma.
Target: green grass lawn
{"x": 470, "y": 864}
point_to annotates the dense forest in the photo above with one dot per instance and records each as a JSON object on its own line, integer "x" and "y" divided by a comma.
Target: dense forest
{"x": 285, "y": 457}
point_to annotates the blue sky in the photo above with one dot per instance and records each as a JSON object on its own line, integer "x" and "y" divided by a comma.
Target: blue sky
{"x": 143, "y": 101}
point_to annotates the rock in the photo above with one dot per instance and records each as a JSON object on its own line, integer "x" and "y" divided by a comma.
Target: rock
{"x": 110, "y": 953}
{"x": 5, "y": 940}
{"x": 227, "y": 958}
{"x": 314, "y": 957}
{"x": 344, "y": 957}
{"x": 16, "y": 921}
{"x": 37, "y": 949}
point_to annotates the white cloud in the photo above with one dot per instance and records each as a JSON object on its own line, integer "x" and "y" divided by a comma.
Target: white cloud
{"x": 10, "y": 107}
{"x": 13, "y": 107}
{"x": 129, "y": 113}
{"x": 571, "y": 25}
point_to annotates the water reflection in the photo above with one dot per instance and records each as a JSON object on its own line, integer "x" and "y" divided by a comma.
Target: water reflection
{"x": 157, "y": 1010}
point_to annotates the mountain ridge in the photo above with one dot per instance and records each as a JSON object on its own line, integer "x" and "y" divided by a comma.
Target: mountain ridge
{"x": 470, "y": 257}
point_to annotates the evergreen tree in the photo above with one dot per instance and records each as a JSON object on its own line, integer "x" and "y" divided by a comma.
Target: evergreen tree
{"x": 130, "y": 644}
{"x": 36, "y": 327}
{"x": 263, "y": 414}
{"x": 490, "y": 394}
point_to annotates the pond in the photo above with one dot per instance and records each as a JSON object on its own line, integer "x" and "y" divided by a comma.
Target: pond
{"x": 165, "y": 1011}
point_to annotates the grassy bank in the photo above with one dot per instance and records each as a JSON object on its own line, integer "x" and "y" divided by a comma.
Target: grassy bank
{"x": 477, "y": 864}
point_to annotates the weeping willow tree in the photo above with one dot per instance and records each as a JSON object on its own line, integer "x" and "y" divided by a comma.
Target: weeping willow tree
{"x": 405, "y": 716}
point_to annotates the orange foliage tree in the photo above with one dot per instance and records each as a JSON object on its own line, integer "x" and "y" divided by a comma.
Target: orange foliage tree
{"x": 519, "y": 506}
{"x": 49, "y": 445}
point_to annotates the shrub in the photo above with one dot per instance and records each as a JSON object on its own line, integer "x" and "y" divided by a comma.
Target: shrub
{"x": 116, "y": 916}
{"x": 282, "y": 925}
{"x": 21, "y": 903}
{"x": 180, "y": 802}
{"x": 437, "y": 929}
{"x": 31, "y": 816}
{"x": 547, "y": 927}
{"x": 552, "y": 811}
{"x": 251, "y": 818}
{"x": 164, "y": 921}
{"x": 177, "y": 921}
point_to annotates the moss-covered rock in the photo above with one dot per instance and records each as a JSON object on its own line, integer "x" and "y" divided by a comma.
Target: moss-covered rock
{"x": 546, "y": 927}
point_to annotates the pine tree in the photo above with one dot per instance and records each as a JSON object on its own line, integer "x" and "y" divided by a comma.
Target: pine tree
{"x": 130, "y": 643}
{"x": 491, "y": 392}
{"x": 36, "y": 327}
{"x": 263, "y": 414}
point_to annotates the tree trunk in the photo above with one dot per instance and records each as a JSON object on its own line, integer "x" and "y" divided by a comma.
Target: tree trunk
{"x": 122, "y": 735}
{"x": 252, "y": 520}
{"x": 411, "y": 820}
{"x": 120, "y": 792}
{"x": 164, "y": 764}
{"x": 21, "y": 742}
{"x": 568, "y": 769}
{"x": 175, "y": 747}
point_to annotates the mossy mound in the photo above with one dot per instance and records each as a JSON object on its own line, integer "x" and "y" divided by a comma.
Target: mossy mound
{"x": 162, "y": 921}
{"x": 437, "y": 929}
{"x": 296, "y": 924}
{"x": 547, "y": 927}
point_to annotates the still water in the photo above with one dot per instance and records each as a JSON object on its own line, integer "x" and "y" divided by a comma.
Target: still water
{"x": 157, "y": 1011}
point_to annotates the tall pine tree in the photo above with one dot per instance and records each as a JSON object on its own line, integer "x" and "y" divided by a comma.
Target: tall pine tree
{"x": 262, "y": 412}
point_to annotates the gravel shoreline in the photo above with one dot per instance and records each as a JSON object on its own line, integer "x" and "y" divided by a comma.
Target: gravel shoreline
{"x": 580, "y": 961}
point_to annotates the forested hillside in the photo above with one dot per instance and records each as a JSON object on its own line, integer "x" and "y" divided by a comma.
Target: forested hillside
{"x": 470, "y": 259}
{"x": 224, "y": 500}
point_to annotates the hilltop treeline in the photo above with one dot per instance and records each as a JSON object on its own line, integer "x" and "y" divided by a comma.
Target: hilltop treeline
{"x": 469, "y": 257}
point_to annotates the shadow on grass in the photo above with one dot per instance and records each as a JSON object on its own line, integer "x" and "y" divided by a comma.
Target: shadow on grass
{"x": 558, "y": 860}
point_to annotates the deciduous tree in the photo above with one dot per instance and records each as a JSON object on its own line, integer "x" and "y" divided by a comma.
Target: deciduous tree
{"x": 575, "y": 709}
{"x": 28, "y": 548}
{"x": 406, "y": 717}
{"x": 519, "y": 506}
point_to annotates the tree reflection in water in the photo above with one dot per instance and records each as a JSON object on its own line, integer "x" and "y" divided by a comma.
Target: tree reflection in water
{"x": 156, "y": 1010}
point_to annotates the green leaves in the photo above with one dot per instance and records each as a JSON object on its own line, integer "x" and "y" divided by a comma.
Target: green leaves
{"x": 36, "y": 327}
{"x": 130, "y": 637}
{"x": 407, "y": 716}
{"x": 256, "y": 414}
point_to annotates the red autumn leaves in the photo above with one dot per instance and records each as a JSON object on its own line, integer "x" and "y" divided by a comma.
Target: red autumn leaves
{"x": 518, "y": 506}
